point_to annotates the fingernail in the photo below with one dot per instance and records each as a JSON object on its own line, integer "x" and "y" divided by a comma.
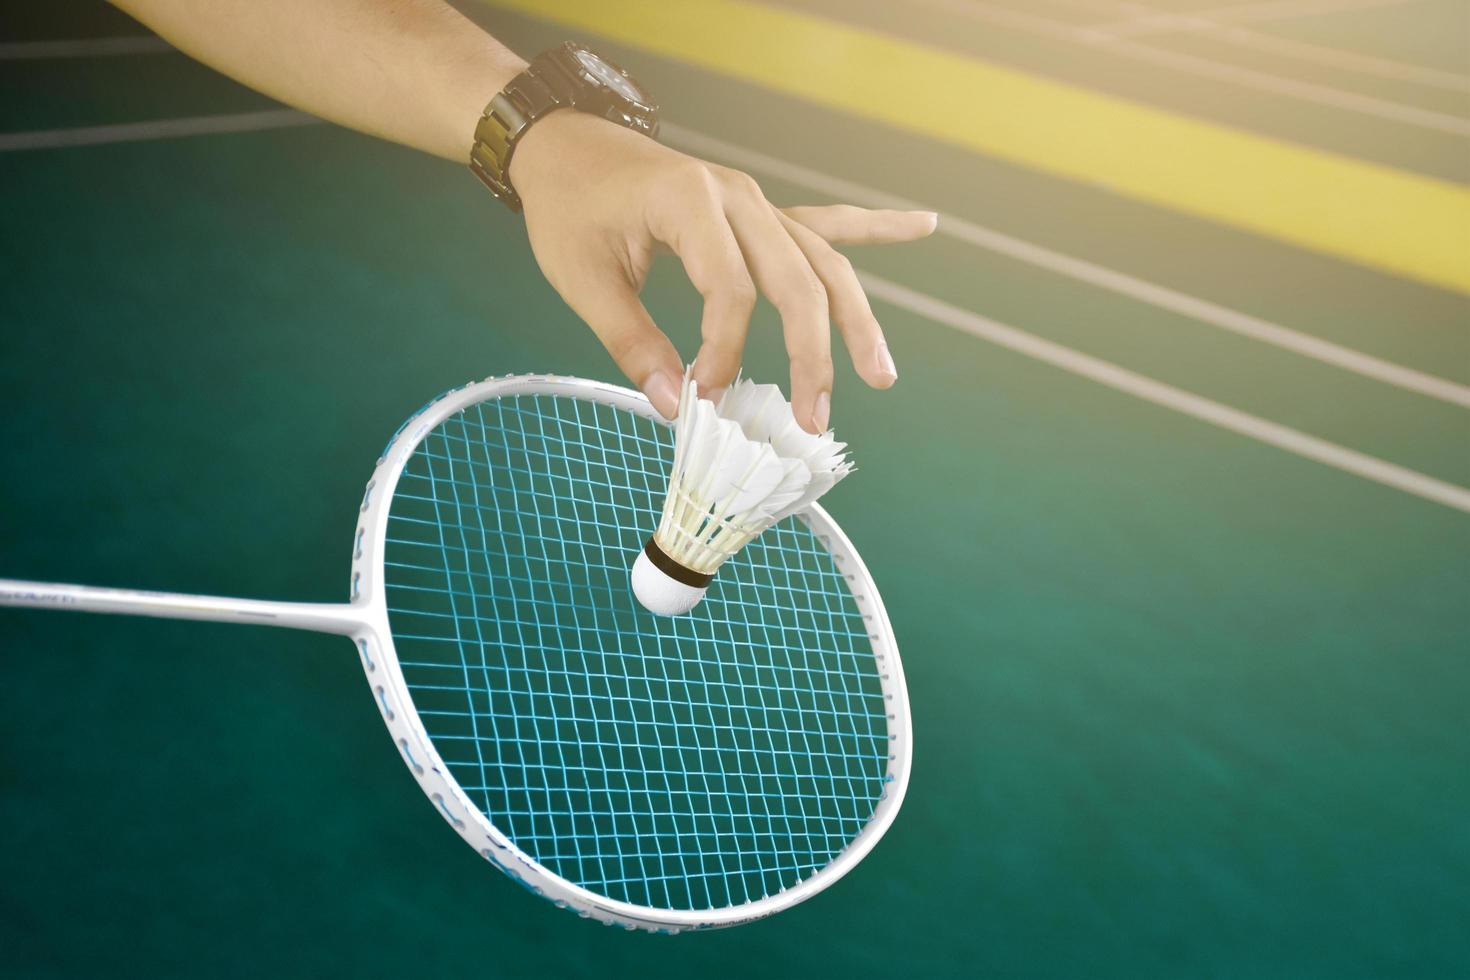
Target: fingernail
{"x": 933, "y": 217}
{"x": 663, "y": 391}
{"x": 708, "y": 391}
{"x": 822, "y": 411}
{"x": 885, "y": 363}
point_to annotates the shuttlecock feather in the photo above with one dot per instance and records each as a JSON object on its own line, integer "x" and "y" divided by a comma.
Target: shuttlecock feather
{"x": 739, "y": 467}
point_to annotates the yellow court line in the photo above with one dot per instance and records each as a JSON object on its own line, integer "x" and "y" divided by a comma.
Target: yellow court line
{"x": 1390, "y": 219}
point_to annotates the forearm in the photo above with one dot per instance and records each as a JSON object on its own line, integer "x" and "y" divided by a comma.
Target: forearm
{"x": 417, "y": 72}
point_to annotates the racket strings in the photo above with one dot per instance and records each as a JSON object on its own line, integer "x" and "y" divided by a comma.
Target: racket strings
{"x": 696, "y": 762}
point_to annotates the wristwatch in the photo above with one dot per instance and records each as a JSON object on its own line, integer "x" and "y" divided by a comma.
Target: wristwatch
{"x": 567, "y": 76}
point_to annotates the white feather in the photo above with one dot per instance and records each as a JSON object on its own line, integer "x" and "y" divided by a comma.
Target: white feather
{"x": 796, "y": 477}
{"x": 759, "y": 410}
{"x": 739, "y": 467}
{"x": 761, "y": 480}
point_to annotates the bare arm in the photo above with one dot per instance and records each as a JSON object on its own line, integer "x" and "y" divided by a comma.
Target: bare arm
{"x": 599, "y": 199}
{"x": 417, "y": 72}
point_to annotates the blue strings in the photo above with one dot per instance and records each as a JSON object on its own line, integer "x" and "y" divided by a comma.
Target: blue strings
{"x": 688, "y": 763}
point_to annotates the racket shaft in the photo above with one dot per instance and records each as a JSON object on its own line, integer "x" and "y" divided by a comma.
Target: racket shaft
{"x": 317, "y": 617}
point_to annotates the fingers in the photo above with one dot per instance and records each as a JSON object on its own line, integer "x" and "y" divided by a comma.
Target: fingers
{"x": 849, "y": 306}
{"x": 610, "y": 306}
{"x": 783, "y": 273}
{"x": 699, "y": 233}
{"x": 843, "y": 224}
{"x": 731, "y": 241}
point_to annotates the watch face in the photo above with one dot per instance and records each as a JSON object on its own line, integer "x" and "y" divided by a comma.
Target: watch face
{"x": 610, "y": 76}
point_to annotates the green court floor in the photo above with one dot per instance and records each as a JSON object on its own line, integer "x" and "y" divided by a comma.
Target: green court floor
{"x": 1188, "y": 702}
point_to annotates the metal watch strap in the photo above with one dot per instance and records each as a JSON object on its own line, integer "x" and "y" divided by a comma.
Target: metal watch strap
{"x": 527, "y": 98}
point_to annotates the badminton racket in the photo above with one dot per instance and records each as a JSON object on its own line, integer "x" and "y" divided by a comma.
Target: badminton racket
{"x": 659, "y": 773}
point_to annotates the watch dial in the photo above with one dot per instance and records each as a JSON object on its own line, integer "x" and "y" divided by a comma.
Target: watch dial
{"x": 610, "y": 76}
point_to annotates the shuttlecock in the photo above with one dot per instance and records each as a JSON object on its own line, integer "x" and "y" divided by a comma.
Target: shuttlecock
{"x": 739, "y": 467}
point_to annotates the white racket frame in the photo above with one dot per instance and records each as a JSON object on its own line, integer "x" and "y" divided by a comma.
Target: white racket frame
{"x": 365, "y": 620}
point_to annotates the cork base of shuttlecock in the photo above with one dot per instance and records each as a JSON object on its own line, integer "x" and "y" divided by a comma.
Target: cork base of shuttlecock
{"x": 663, "y": 586}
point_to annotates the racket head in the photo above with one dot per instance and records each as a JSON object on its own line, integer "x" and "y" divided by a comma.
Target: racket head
{"x": 579, "y": 699}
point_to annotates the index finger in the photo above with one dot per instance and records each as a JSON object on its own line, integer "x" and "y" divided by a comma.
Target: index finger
{"x": 707, "y": 247}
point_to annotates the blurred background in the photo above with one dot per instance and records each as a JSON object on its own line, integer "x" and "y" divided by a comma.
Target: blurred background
{"x": 1168, "y": 507}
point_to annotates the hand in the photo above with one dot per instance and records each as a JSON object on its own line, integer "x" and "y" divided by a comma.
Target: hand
{"x": 599, "y": 202}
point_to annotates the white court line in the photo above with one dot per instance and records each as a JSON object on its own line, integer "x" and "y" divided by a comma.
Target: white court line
{"x": 1103, "y": 372}
{"x": 1161, "y": 24}
{"x": 1284, "y": 9}
{"x": 1204, "y": 67}
{"x": 156, "y": 129}
{"x": 1141, "y": 290}
{"x": 1138, "y": 13}
{"x": 1346, "y": 60}
{"x": 1167, "y": 396}
{"x": 1280, "y": 85}
{"x": 90, "y": 47}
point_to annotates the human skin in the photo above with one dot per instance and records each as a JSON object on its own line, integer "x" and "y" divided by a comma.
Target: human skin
{"x": 600, "y": 200}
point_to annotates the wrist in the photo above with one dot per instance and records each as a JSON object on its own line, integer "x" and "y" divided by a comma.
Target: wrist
{"x": 528, "y": 109}
{"x": 549, "y": 150}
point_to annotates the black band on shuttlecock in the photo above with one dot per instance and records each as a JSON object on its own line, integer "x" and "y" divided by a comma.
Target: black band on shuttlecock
{"x": 673, "y": 569}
